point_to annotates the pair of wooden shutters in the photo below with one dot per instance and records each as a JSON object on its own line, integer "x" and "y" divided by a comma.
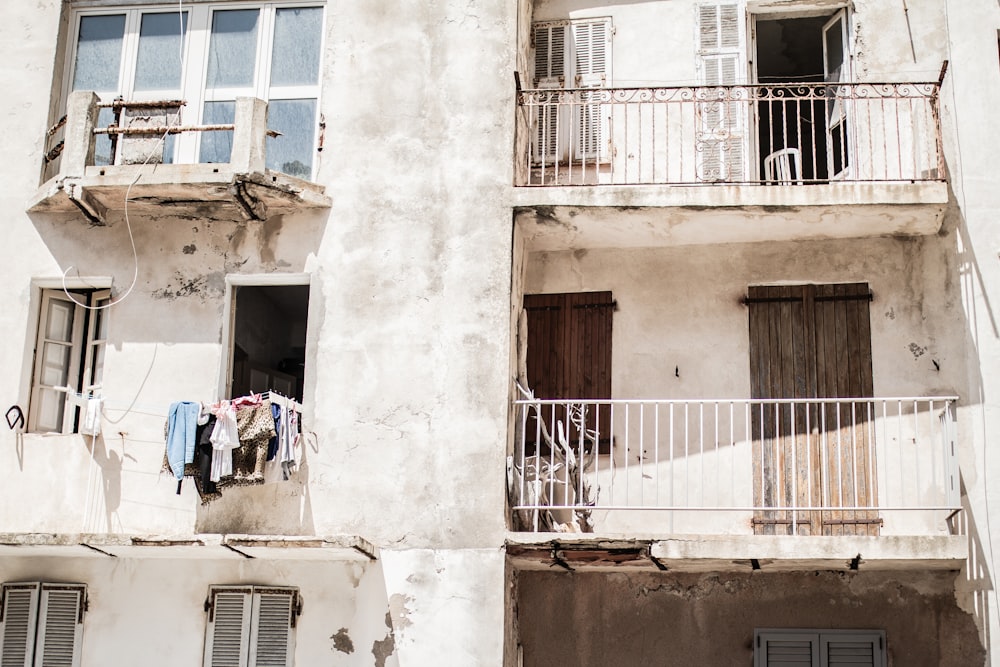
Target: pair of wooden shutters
{"x": 41, "y": 625}
{"x": 250, "y": 626}
{"x": 812, "y": 342}
{"x": 571, "y": 54}
{"x": 569, "y": 355}
{"x": 811, "y": 648}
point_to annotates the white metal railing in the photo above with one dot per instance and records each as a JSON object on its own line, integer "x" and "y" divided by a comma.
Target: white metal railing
{"x": 782, "y": 133}
{"x": 798, "y": 466}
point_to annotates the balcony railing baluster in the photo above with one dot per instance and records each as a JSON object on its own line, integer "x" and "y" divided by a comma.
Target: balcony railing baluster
{"x": 767, "y": 134}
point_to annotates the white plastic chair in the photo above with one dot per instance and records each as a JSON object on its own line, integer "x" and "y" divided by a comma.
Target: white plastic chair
{"x": 784, "y": 166}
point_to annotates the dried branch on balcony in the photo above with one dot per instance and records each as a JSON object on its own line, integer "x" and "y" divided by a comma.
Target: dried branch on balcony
{"x": 558, "y": 480}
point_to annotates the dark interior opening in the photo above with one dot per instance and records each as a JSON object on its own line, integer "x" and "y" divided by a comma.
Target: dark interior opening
{"x": 269, "y": 339}
{"x": 790, "y": 51}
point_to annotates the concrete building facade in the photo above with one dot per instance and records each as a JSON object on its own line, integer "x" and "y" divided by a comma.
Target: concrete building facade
{"x": 618, "y": 333}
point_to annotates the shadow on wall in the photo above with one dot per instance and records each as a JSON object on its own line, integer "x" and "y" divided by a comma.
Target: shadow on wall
{"x": 281, "y": 508}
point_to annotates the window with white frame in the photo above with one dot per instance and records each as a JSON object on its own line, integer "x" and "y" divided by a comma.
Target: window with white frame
{"x": 208, "y": 55}
{"x": 571, "y": 54}
{"x": 68, "y": 356}
{"x": 819, "y": 648}
{"x": 251, "y": 626}
{"x": 41, "y": 624}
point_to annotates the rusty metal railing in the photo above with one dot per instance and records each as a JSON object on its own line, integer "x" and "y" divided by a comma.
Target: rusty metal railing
{"x": 767, "y": 134}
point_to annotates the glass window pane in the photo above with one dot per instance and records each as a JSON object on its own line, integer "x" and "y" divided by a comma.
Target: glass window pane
{"x": 50, "y": 410}
{"x": 99, "y": 52}
{"x": 292, "y": 152}
{"x": 102, "y": 142}
{"x": 55, "y": 364}
{"x": 97, "y": 372}
{"x": 217, "y": 146}
{"x": 295, "y": 56}
{"x": 59, "y": 321}
{"x": 158, "y": 63}
{"x": 233, "y": 48}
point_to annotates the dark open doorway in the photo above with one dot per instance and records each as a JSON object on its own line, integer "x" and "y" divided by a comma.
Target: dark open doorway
{"x": 269, "y": 339}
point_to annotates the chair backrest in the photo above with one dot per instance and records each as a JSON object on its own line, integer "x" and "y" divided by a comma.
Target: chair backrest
{"x": 784, "y": 166}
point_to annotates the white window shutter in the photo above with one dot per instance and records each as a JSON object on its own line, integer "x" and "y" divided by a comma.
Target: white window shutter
{"x": 18, "y": 616}
{"x": 60, "y": 625}
{"x": 723, "y": 125}
{"x": 550, "y": 74}
{"x": 591, "y": 69}
{"x": 271, "y": 640}
{"x": 228, "y": 633}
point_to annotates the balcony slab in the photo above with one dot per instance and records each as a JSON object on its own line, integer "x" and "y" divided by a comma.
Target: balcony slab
{"x": 204, "y": 191}
{"x": 608, "y": 216}
{"x": 202, "y": 545}
{"x": 735, "y": 553}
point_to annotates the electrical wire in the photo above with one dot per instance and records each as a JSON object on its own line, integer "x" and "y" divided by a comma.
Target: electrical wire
{"x": 128, "y": 192}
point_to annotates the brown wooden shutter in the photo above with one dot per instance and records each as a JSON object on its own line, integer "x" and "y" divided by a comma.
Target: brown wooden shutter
{"x": 569, "y": 353}
{"x": 812, "y": 341}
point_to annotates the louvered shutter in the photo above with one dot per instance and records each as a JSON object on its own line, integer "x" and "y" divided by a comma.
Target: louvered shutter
{"x": 591, "y": 67}
{"x": 862, "y": 649}
{"x": 722, "y": 131}
{"x": 228, "y": 633}
{"x": 811, "y": 648}
{"x": 550, "y": 74}
{"x": 18, "y": 615}
{"x": 271, "y": 641}
{"x": 60, "y": 625}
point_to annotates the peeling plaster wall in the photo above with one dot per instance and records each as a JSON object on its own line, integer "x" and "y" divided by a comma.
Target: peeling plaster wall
{"x": 881, "y": 38}
{"x": 150, "y": 611}
{"x": 591, "y": 620}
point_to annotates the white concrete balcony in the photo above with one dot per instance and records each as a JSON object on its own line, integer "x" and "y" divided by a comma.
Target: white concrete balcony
{"x": 745, "y": 163}
{"x": 705, "y": 482}
{"x": 867, "y": 466}
{"x": 139, "y": 171}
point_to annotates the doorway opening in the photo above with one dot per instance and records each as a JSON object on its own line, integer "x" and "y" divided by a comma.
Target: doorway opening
{"x": 802, "y": 123}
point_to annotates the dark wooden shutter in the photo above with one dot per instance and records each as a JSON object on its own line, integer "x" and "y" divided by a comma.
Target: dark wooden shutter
{"x": 569, "y": 354}
{"x": 812, "y": 341}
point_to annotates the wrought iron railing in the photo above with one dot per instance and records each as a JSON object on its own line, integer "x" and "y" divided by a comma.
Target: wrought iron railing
{"x": 750, "y": 134}
{"x": 782, "y": 466}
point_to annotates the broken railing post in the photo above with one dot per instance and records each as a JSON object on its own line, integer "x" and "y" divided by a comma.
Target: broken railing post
{"x": 249, "y": 135}
{"x": 81, "y": 119}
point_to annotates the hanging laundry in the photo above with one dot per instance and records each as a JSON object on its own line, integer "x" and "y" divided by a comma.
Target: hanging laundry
{"x": 225, "y": 438}
{"x": 255, "y": 426}
{"x": 182, "y": 422}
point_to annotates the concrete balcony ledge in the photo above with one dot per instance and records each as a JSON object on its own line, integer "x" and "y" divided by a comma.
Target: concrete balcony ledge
{"x": 241, "y": 189}
{"x": 201, "y": 545}
{"x": 559, "y": 218}
{"x": 735, "y": 553}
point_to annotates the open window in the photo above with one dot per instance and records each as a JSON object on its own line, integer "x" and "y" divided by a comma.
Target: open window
{"x": 251, "y": 626}
{"x": 41, "y": 623}
{"x": 269, "y": 325}
{"x": 803, "y": 131}
{"x": 68, "y": 356}
{"x": 208, "y": 56}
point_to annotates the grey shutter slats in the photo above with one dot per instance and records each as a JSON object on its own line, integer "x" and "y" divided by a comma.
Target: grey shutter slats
{"x": 229, "y": 627}
{"x": 854, "y": 649}
{"x": 591, "y": 47}
{"x": 60, "y": 626}
{"x": 41, "y": 624}
{"x": 550, "y": 73}
{"x": 814, "y": 648}
{"x": 17, "y": 627}
{"x": 250, "y": 626}
{"x": 271, "y": 644}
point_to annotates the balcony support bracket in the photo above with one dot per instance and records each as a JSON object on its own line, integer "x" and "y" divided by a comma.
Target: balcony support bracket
{"x": 93, "y": 210}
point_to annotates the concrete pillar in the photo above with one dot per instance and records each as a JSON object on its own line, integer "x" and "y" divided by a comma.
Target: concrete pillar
{"x": 81, "y": 119}
{"x": 249, "y": 135}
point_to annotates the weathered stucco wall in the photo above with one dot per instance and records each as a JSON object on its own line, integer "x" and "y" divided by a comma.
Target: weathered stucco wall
{"x": 591, "y": 619}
